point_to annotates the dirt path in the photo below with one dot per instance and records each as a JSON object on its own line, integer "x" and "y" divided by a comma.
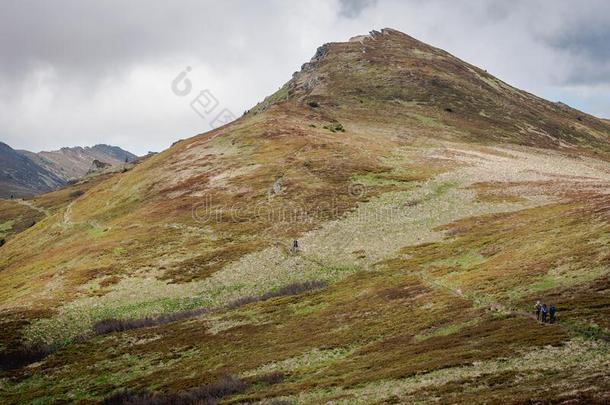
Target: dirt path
{"x": 33, "y": 206}
{"x": 476, "y": 300}
{"x": 493, "y": 306}
{"x": 67, "y": 218}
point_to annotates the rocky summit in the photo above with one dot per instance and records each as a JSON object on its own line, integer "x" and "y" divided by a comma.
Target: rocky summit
{"x": 379, "y": 230}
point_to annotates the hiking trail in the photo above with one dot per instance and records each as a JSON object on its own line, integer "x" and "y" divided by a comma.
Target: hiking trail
{"x": 33, "y": 206}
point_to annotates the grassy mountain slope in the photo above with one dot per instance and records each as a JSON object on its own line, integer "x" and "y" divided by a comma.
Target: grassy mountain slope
{"x": 433, "y": 205}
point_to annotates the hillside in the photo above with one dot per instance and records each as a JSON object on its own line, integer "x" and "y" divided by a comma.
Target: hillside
{"x": 433, "y": 204}
{"x": 27, "y": 173}
{"x": 21, "y": 176}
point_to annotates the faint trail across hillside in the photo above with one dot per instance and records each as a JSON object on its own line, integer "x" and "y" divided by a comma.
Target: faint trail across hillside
{"x": 489, "y": 305}
{"x": 33, "y": 206}
{"x": 478, "y": 301}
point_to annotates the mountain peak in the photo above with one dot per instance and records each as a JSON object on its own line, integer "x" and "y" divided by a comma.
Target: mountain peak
{"x": 390, "y": 75}
{"x": 385, "y": 34}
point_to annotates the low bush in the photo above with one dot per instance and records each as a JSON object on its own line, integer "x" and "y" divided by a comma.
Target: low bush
{"x": 275, "y": 377}
{"x": 335, "y": 127}
{"x": 295, "y": 288}
{"x": 118, "y": 325}
{"x": 243, "y": 301}
{"x": 290, "y": 289}
{"x": 205, "y": 394}
{"x": 17, "y": 358}
{"x": 76, "y": 193}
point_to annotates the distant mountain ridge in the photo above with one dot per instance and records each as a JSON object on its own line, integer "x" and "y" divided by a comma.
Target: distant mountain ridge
{"x": 20, "y": 175}
{"x": 73, "y": 163}
{"x": 24, "y": 173}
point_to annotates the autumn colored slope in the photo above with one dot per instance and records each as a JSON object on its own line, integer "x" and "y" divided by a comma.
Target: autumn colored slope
{"x": 433, "y": 205}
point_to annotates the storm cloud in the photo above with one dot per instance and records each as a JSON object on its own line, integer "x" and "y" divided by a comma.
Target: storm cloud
{"x": 76, "y": 72}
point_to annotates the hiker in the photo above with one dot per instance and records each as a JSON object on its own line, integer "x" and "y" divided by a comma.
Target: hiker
{"x": 295, "y": 246}
{"x": 537, "y": 309}
{"x": 552, "y": 313}
{"x": 544, "y": 312}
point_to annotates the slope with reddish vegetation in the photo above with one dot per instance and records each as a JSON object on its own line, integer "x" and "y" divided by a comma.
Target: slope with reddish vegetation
{"x": 433, "y": 204}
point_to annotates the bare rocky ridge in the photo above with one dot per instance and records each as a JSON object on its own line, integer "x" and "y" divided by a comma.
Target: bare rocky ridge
{"x": 74, "y": 163}
{"x": 25, "y": 173}
{"x": 20, "y": 175}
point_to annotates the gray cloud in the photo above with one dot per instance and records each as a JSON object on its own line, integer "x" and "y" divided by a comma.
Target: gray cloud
{"x": 589, "y": 50}
{"x": 353, "y": 8}
{"x": 594, "y": 44}
{"x": 81, "y": 72}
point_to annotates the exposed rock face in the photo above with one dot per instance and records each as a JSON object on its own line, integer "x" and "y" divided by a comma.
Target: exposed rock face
{"x": 97, "y": 165}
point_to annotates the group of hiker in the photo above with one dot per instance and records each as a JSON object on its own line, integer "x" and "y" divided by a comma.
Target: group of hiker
{"x": 543, "y": 312}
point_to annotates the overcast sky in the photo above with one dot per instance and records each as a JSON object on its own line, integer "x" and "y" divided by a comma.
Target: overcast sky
{"x": 79, "y": 72}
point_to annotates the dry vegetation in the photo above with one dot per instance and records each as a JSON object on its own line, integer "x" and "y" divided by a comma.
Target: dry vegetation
{"x": 433, "y": 204}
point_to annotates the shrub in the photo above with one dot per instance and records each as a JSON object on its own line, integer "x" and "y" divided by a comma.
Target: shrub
{"x": 17, "y": 358}
{"x": 118, "y": 325}
{"x": 275, "y": 377}
{"x": 335, "y": 127}
{"x": 243, "y": 301}
{"x": 76, "y": 193}
{"x": 290, "y": 289}
{"x": 295, "y": 288}
{"x": 205, "y": 394}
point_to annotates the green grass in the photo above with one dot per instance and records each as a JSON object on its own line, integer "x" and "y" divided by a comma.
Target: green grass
{"x": 119, "y": 250}
{"x": 446, "y": 330}
{"x": 464, "y": 261}
{"x": 95, "y": 231}
{"x": 547, "y": 282}
{"x": 427, "y": 120}
{"x": 6, "y": 226}
{"x": 441, "y": 189}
